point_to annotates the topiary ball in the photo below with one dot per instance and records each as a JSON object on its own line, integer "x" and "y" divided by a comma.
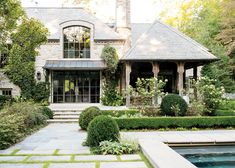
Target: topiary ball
{"x": 102, "y": 128}
{"x": 171, "y": 102}
{"x": 47, "y": 112}
{"x": 87, "y": 115}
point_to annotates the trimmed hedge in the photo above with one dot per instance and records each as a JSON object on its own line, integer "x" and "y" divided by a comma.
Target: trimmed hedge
{"x": 119, "y": 113}
{"x": 174, "y": 122}
{"x": 225, "y": 112}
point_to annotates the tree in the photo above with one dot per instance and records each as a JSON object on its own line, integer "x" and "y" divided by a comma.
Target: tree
{"x": 10, "y": 13}
{"x": 25, "y": 36}
{"x": 28, "y": 36}
{"x": 202, "y": 21}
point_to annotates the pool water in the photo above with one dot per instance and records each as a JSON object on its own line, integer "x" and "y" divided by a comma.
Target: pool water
{"x": 209, "y": 156}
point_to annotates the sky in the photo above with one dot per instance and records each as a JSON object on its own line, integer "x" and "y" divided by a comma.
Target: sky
{"x": 141, "y": 10}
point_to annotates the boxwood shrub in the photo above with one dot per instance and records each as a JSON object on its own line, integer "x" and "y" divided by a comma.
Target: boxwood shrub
{"x": 174, "y": 122}
{"x": 87, "y": 116}
{"x": 102, "y": 128}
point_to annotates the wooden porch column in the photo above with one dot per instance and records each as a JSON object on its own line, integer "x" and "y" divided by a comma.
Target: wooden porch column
{"x": 155, "y": 70}
{"x": 180, "y": 70}
{"x": 128, "y": 72}
{"x": 195, "y": 78}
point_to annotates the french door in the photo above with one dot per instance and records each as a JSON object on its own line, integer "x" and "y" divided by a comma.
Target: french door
{"x": 76, "y": 87}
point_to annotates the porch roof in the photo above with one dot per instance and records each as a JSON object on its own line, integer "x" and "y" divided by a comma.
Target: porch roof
{"x": 75, "y": 65}
{"x": 163, "y": 43}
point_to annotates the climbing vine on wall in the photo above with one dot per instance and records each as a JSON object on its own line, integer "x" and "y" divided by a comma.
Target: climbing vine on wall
{"x": 111, "y": 97}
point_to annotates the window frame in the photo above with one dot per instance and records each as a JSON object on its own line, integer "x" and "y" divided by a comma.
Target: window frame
{"x": 79, "y": 50}
{"x": 6, "y": 92}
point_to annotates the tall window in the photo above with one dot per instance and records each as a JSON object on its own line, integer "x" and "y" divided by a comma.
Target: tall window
{"x": 76, "y": 42}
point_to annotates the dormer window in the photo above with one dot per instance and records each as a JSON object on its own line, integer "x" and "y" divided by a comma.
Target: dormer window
{"x": 76, "y": 42}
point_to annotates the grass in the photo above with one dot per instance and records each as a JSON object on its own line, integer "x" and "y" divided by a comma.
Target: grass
{"x": 46, "y": 164}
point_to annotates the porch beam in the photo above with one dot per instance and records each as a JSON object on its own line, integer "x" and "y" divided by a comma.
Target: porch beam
{"x": 128, "y": 72}
{"x": 180, "y": 70}
{"x": 195, "y": 78}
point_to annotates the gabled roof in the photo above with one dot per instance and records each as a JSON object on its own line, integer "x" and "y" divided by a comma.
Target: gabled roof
{"x": 162, "y": 42}
{"x": 53, "y": 17}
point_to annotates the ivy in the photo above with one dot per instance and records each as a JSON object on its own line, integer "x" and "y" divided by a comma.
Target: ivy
{"x": 111, "y": 97}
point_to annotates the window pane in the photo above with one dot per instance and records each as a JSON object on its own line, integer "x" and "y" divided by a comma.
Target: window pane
{"x": 77, "y": 42}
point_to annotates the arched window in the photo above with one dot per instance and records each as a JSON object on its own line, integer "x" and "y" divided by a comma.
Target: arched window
{"x": 76, "y": 42}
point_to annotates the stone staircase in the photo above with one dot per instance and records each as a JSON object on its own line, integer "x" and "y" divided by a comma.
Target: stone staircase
{"x": 65, "y": 116}
{"x": 69, "y": 112}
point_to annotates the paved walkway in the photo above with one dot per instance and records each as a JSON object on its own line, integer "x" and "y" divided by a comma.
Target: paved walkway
{"x": 63, "y": 143}
{"x": 60, "y": 146}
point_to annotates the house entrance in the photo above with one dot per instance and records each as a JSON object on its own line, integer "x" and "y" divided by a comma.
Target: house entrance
{"x": 76, "y": 86}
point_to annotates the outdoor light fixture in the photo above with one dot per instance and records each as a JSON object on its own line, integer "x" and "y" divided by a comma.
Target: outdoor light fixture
{"x": 39, "y": 76}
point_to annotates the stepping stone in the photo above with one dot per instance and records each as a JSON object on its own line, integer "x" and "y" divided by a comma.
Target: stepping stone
{"x": 21, "y": 165}
{"x": 35, "y": 152}
{"x": 50, "y": 158}
{"x": 130, "y": 157}
{"x": 72, "y": 165}
{"x": 12, "y": 158}
{"x": 96, "y": 157}
{"x": 123, "y": 165}
{"x": 80, "y": 151}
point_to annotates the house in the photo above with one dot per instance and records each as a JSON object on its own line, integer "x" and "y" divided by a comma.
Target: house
{"x": 71, "y": 58}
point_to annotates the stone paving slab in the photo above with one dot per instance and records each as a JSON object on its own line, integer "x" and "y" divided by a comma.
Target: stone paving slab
{"x": 6, "y": 152}
{"x": 80, "y": 151}
{"x": 72, "y": 165}
{"x": 130, "y": 157}
{"x": 12, "y": 158}
{"x": 50, "y": 158}
{"x": 194, "y": 138}
{"x": 28, "y": 152}
{"x": 219, "y": 137}
{"x": 123, "y": 165}
{"x": 96, "y": 157}
{"x": 174, "y": 138}
{"x": 21, "y": 165}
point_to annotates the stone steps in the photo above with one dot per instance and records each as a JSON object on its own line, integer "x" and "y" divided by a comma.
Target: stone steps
{"x": 62, "y": 121}
{"x": 66, "y": 117}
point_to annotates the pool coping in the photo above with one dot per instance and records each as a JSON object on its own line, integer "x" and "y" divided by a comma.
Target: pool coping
{"x": 161, "y": 155}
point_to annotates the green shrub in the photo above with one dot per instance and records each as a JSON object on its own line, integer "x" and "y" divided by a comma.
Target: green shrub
{"x": 225, "y": 112}
{"x": 119, "y": 113}
{"x": 196, "y": 108}
{"x": 41, "y": 92}
{"x": 88, "y": 115}
{"x": 4, "y": 99}
{"x": 47, "y": 112}
{"x": 174, "y": 122}
{"x": 173, "y": 105}
{"x": 115, "y": 148}
{"x": 102, "y": 128}
{"x": 18, "y": 120}
{"x": 150, "y": 111}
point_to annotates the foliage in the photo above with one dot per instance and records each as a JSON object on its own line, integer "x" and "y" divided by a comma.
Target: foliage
{"x": 119, "y": 113}
{"x": 110, "y": 57}
{"x": 115, "y": 148}
{"x": 174, "y": 122}
{"x": 102, "y": 128}
{"x": 173, "y": 105}
{"x": 88, "y": 115}
{"x": 10, "y": 12}
{"x": 196, "y": 108}
{"x": 110, "y": 96}
{"x": 211, "y": 23}
{"x": 28, "y": 36}
{"x": 47, "y": 112}
{"x": 151, "y": 111}
{"x": 220, "y": 112}
{"x": 4, "y": 99}
{"x": 18, "y": 120}
{"x": 210, "y": 94}
{"x": 41, "y": 92}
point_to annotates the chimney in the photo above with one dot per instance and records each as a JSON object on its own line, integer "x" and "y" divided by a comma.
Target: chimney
{"x": 123, "y": 20}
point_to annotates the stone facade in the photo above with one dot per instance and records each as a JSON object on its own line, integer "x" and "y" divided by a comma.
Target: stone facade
{"x": 5, "y": 83}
